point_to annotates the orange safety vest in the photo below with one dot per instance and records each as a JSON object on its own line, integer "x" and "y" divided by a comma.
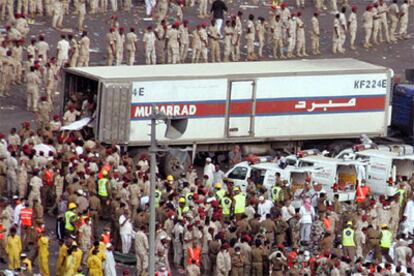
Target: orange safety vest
{"x": 48, "y": 177}
{"x": 361, "y": 193}
{"x": 327, "y": 224}
{"x": 26, "y": 215}
{"x": 194, "y": 254}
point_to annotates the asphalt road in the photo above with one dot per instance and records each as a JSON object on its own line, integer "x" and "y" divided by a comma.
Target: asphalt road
{"x": 12, "y": 109}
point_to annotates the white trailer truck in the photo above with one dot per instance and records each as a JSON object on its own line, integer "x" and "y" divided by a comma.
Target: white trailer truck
{"x": 259, "y": 105}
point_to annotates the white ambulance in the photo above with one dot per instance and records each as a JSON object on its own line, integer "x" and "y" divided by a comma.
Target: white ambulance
{"x": 264, "y": 173}
{"x": 335, "y": 175}
{"x": 384, "y": 168}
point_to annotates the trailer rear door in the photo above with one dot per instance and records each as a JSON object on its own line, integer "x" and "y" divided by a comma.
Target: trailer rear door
{"x": 114, "y": 112}
{"x": 240, "y": 111}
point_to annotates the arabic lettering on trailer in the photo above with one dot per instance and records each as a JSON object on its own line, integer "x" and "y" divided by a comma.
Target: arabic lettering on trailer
{"x": 325, "y": 106}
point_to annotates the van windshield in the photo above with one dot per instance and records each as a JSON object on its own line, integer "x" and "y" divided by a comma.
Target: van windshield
{"x": 238, "y": 173}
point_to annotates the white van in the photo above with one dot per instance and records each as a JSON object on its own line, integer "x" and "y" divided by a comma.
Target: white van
{"x": 384, "y": 168}
{"x": 264, "y": 173}
{"x": 330, "y": 171}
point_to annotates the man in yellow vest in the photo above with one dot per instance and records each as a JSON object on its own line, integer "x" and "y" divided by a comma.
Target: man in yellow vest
{"x": 386, "y": 242}
{"x": 226, "y": 203}
{"x": 239, "y": 202}
{"x": 158, "y": 195}
{"x": 182, "y": 209}
{"x": 219, "y": 194}
{"x": 402, "y": 192}
{"x": 277, "y": 193}
{"x": 70, "y": 219}
{"x": 104, "y": 193}
{"x": 348, "y": 241}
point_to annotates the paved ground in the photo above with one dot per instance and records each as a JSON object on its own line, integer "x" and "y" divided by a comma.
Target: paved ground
{"x": 12, "y": 109}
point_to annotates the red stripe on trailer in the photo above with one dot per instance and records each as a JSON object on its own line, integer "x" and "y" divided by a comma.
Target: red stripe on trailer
{"x": 265, "y": 107}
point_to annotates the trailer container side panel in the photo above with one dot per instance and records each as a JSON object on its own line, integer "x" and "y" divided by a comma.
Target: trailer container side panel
{"x": 263, "y": 107}
{"x": 195, "y": 99}
{"x": 356, "y": 103}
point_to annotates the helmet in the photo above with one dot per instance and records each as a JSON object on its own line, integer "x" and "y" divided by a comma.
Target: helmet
{"x": 217, "y": 186}
{"x": 349, "y": 223}
{"x": 236, "y": 189}
{"x": 181, "y": 200}
{"x": 170, "y": 178}
{"x": 384, "y": 225}
{"x": 104, "y": 172}
{"x": 72, "y": 205}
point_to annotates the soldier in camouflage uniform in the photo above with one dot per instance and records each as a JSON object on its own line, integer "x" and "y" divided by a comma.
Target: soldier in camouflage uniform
{"x": 317, "y": 233}
{"x": 294, "y": 228}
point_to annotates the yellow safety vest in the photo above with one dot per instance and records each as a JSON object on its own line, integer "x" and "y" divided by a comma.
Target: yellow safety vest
{"x": 188, "y": 198}
{"x": 402, "y": 195}
{"x": 102, "y": 191}
{"x": 69, "y": 215}
{"x": 182, "y": 211}
{"x": 220, "y": 194}
{"x": 226, "y": 205}
{"x": 276, "y": 195}
{"x": 348, "y": 237}
{"x": 386, "y": 239}
{"x": 157, "y": 198}
{"x": 240, "y": 203}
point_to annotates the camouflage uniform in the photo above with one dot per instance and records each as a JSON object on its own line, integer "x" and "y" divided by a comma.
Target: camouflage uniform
{"x": 317, "y": 233}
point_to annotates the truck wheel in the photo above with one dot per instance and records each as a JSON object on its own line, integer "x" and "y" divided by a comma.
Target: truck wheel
{"x": 175, "y": 163}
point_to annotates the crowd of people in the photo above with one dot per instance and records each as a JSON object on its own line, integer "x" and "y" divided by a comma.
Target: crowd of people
{"x": 170, "y": 37}
{"x": 99, "y": 198}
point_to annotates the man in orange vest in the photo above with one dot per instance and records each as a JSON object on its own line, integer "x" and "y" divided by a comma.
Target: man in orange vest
{"x": 26, "y": 223}
{"x": 362, "y": 194}
{"x": 327, "y": 222}
{"x": 194, "y": 254}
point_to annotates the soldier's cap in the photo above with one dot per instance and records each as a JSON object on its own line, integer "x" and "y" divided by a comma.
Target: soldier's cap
{"x": 186, "y": 21}
{"x": 354, "y": 8}
{"x": 204, "y": 25}
{"x": 23, "y": 255}
{"x": 43, "y": 98}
